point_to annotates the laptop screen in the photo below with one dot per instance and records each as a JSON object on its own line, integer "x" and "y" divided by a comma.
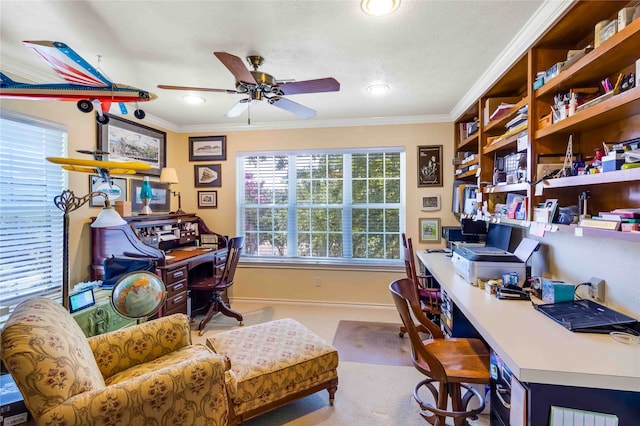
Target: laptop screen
{"x": 498, "y": 236}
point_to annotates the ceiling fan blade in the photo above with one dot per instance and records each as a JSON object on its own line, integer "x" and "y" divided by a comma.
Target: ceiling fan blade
{"x": 199, "y": 89}
{"x": 293, "y": 107}
{"x": 237, "y": 109}
{"x": 310, "y": 86}
{"x": 236, "y": 66}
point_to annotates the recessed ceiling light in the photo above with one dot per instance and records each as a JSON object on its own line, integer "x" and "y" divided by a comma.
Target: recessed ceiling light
{"x": 379, "y": 7}
{"x": 378, "y": 89}
{"x": 193, "y": 100}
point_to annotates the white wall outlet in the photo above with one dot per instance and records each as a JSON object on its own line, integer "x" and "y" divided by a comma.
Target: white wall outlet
{"x": 596, "y": 289}
{"x": 318, "y": 283}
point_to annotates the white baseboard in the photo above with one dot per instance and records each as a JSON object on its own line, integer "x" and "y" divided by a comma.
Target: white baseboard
{"x": 350, "y": 305}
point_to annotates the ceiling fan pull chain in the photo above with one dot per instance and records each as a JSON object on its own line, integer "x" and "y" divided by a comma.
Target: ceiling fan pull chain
{"x": 249, "y": 114}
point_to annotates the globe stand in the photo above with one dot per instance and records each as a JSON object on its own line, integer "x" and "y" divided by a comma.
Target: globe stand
{"x": 138, "y": 295}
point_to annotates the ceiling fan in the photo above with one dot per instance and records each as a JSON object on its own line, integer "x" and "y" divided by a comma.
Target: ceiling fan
{"x": 259, "y": 86}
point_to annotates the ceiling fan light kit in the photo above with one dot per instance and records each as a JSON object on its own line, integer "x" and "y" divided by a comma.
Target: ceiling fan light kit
{"x": 379, "y": 7}
{"x": 259, "y": 86}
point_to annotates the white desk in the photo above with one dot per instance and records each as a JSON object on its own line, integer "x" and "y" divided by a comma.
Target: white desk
{"x": 534, "y": 347}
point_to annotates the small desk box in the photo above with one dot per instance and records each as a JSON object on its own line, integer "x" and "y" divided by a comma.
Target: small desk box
{"x": 556, "y": 291}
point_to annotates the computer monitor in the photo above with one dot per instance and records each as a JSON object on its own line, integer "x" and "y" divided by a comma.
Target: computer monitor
{"x": 473, "y": 227}
{"x": 498, "y": 236}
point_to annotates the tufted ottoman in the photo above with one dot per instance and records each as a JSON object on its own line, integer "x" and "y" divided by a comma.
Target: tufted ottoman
{"x": 273, "y": 364}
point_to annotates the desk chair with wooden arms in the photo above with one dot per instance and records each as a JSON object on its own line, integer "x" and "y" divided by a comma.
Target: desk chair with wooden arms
{"x": 216, "y": 285}
{"x": 429, "y": 295}
{"x": 453, "y": 363}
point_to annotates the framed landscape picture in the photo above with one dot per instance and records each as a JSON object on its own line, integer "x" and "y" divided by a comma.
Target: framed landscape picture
{"x": 116, "y": 190}
{"x": 430, "y": 165}
{"x": 125, "y": 140}
{"x": 207, "y": 148}
{"x": 160, "y": 201}
{"x": 429, "y": 230}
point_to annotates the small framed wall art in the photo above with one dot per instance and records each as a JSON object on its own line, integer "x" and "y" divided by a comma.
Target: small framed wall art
{"x": 430, "y": 203}
{"x": 116, "y": 190}
{"x": 207, "y": 175}
{"x": 429, "y": 230}
{"x": 207, "y": 199}
{"x": 430, "y": 165}
{"x": 207, "y": 148}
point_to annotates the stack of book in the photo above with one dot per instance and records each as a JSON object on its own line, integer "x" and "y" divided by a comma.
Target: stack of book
{"x": 516, "y": 125}
{"x": 629, "y": 218}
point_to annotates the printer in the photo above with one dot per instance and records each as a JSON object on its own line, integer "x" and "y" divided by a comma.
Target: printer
{"x": 472, "y": 263}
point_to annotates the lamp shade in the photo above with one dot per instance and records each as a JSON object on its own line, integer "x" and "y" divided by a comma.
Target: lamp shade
{"x": 108, "y": 217}
{"x": 169, "y": 175}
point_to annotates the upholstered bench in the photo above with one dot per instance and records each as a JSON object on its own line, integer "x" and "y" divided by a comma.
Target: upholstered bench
{"x": 273, "y": 364}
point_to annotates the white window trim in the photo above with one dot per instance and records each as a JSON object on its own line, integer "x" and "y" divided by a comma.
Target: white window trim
{"x": 321, "y": 263}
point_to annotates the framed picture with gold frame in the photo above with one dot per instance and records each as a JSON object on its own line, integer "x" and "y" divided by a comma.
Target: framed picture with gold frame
{"x": 429, "y": 230}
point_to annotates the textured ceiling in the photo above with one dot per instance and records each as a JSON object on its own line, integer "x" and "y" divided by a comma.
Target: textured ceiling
{"x": 431, "y": 53}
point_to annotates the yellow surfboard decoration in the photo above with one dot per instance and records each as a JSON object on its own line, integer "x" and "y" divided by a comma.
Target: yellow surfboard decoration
{"x": 90, "y": 166}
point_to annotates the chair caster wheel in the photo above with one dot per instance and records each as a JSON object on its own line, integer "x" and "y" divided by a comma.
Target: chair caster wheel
{"x": 401, "y": 335}
{"x": 241, "y": 324}
{"x": 200, "y": 333}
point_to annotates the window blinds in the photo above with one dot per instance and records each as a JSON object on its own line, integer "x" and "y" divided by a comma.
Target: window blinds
{"x": 30, "y": 224}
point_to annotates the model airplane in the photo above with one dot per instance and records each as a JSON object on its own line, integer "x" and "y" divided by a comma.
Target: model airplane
{"x": 87, "y": 86}
{"x": 102, "y": 168}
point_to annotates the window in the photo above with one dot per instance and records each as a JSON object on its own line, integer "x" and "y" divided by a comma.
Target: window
{"x": 341, "y": 205}
{"x": 30, "y": 224}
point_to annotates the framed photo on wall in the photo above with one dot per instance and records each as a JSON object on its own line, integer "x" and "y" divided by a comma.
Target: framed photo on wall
{"x": 208, "y": 175}
{"x": 116, "y": 189}
{"x": 430, "y": 165}
{"x": 207, "y": 199}
{"x": 207, "y": 148}
{"x": 430, "y": 203}
{"x": 160, "y": 201}
{"x": 429, "y": 230}
{"x": 125, "y": 140}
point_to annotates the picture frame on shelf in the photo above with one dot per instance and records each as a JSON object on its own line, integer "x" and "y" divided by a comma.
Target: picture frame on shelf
{"x": 207, "y": 176}
{"x": 117, "y": 191}
{"x": 430, "y": 165}
{"x": 207, "y": 148}
{"x": 161, "y": 200}
{"x": 429, "y": 229}
{"x": 207, "y": 199}
{"x": 126, "y": 140}
{"x": 551, "y": 205}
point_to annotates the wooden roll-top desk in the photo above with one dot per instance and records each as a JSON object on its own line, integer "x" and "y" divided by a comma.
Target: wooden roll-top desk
{"x": 182, "y": 246}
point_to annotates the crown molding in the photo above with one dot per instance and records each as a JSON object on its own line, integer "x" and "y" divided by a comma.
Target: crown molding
{"x": 315, "y": 124}
{"x": 541, "y": 20}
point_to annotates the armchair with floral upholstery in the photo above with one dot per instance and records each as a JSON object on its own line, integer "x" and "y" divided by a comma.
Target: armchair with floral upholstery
{"x": 147, "y": 374}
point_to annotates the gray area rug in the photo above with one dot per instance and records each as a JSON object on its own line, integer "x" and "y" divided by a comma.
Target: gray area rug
{"x": 372, "y": 343}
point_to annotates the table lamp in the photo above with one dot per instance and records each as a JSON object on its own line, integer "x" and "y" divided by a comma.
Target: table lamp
{"x": 169, "y": 176}
{"x": 146, "y": 194}
{"x": 68, "y": 202}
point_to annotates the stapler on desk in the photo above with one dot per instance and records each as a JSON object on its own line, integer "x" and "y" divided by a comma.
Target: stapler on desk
{"x": 512, "y": 292}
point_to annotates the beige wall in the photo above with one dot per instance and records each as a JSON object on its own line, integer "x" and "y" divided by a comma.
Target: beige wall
{"x": 337, "y": 286}
{"x": 563, "y": 256}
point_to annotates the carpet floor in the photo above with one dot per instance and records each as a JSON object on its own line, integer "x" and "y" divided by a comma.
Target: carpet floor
{"x": 368, "y": 394}
{"x": 372, "y": 343}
